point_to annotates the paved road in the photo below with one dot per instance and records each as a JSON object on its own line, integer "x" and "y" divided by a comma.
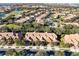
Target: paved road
{"x": 38, "y": 47}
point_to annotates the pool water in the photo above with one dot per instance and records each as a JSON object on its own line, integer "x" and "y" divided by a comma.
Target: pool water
{"x": 18, "y": 10}
{"x": 30, "y": 53}
{"x": 67, "y": 53}
{"x": 50, "y": 53}
{"x": 2, "y": 15}
{"x": 2, "y": 53}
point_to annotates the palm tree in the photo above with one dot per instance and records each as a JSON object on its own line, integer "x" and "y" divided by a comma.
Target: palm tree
{"x": 37, "y": 43}
{"x": 3, "y": 41}
{"x": 52, "y": 44}
{"x": 44, "y": 43}
{"x": 10, "y": 41}
{"x": 59, "y": 53}
{"x": 62, "y": 44}
{"x": 20, "y": 42}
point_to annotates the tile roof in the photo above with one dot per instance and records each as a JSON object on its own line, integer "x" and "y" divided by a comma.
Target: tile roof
{"x": 49, "y": 37}
{"x": 72, "y": 39}
{"x": 33, "y": 36}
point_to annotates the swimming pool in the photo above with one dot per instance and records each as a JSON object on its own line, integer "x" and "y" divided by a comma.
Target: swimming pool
{"x": 2, "y": 15}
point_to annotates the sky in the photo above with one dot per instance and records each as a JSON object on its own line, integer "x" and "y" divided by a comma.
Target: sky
{"x": 39, "y": 1}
